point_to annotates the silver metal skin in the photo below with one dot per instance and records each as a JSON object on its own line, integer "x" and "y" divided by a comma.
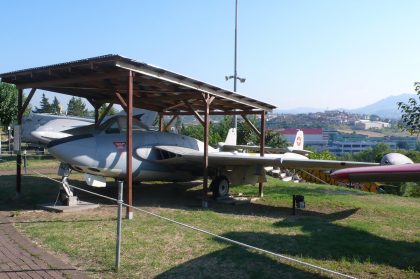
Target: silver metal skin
{"x": 170, "y": 157}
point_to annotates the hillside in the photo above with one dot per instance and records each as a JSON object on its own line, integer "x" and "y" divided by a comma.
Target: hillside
{"x": 385, "y": 108}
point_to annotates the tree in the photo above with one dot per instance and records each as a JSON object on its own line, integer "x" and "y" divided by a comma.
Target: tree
{"x": 45, "y": 106}
{"x": 246, "y": 134}
{"x": 403, "y": 145}
{"x": 55, "y": 107}
{"x": 410, "y": 118}
{"x": 322, "y": 155}
{"x": 374, "y": 154}
{"x": 8, "y": 104}
{"x": 102, "y": 108}
{"x": 76, "y": 107}
{"x": 275, "y": 139}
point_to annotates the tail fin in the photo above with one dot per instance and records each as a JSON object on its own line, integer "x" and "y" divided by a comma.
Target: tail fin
{"x": 231, "y": 137}
{"x": 298, "y": 144}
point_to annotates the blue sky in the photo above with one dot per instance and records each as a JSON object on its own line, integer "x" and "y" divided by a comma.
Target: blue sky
{"x": 325, "y": 53}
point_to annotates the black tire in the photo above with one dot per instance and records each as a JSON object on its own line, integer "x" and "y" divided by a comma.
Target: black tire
{"x": 220, "y": 187}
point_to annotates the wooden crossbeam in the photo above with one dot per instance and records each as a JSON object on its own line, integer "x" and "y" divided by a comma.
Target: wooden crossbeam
{"x": 25, "y": 105}
{"x": 251, "y": 125}
{"x": 121, "y": 100}
{"x": 194, "y": 111}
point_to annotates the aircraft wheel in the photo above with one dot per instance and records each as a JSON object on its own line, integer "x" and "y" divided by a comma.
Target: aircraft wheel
{"x": 220, "y": 186}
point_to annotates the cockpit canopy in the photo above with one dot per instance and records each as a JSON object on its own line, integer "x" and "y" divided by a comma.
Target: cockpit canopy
{"x": 118, "y": 125}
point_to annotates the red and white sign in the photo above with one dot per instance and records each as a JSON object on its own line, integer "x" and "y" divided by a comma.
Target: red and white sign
{"x": 120, "y": 145}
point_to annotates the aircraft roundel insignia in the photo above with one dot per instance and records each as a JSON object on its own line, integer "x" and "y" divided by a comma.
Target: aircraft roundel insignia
{"x": 120, "y": 145}
{"x": 299, "y": 141}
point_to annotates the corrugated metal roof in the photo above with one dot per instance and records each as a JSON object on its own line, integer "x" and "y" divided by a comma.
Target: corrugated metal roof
{"x": 98, "y": 78}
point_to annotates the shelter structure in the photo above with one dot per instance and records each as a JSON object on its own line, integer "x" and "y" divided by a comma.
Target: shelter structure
{"x": 114, "y": 79}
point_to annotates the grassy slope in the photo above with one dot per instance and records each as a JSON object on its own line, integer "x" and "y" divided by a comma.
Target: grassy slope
{"x": 361, "y": 234}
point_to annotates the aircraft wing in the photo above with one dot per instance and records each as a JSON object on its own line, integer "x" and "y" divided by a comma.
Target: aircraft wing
{"x": 390, "y": 173}
{"x": 227, "y": 147}
{"x": 182, "y": 155}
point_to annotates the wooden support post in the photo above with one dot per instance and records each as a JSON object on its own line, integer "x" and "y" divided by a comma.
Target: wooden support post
{"x": 161, "y": 123}
{"x": 262, "y": 147}
{"x": 207, "y": 101}
{"x": 96, "y": 116}
{"x": 129, "y": 146}
{"x": 18, "y": 155}
{"x": 206, "y": 151}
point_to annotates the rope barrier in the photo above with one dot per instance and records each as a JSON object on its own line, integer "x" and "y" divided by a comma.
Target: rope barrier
{"x": 207, "y": 232}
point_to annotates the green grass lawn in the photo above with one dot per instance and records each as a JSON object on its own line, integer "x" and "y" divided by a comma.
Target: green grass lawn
{"x": 34, "y": 162}
{"x": 357, "y": 233}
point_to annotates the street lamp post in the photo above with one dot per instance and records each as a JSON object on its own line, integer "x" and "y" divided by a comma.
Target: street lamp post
{"x": 235, "y": 73}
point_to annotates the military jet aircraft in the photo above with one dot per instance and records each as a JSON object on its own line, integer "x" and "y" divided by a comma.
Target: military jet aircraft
{"x": 394, "y": 167}
{"x": 41, "y": 128}
{"x": 161, "y": 156}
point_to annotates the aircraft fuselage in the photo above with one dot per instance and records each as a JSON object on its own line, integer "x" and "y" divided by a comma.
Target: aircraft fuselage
{"x": 105, "y": 155}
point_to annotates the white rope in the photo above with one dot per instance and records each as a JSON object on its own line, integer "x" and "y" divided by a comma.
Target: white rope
{"x": 207, "y": 232}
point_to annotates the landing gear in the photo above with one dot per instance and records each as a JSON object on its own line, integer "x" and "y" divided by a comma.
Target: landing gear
{"x": 220, "y": 186}
{"x": 66, "y": 195}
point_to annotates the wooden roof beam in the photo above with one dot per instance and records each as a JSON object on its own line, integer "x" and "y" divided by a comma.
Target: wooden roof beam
{"x": 51, "y": 83}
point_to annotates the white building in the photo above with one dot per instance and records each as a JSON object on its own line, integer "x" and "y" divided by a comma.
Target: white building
{"x": 367, "y": 124}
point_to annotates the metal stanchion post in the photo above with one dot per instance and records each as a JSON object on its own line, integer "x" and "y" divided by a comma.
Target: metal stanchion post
{"x": 120, "y": 201}
{"x": 8, "y": 138}
{"x": 24, "y": 161}
{"x": 294, "y": 205}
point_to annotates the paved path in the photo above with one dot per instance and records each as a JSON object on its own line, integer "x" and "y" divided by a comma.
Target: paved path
{"x": 20, "y": 258}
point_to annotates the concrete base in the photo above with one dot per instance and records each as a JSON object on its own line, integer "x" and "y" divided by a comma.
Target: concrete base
{"x": 81, "y": 205}
{"x": 72, "y": 201}
{"x": 204, "y": 204}
{"x": 234, "y": 200}
{"x": 129, "y": 215}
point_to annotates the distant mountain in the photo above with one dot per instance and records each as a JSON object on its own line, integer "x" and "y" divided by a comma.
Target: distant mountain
{"x": 385, "y": 108}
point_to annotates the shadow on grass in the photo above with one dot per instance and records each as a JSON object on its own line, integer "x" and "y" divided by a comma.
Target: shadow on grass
{"x": 324, "y": 239}
{"x": 236, "y": 262}
{"x": 321, "y": 239}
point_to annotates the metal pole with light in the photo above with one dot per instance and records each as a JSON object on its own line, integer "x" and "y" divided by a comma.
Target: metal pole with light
{"x": 235, "y": 73}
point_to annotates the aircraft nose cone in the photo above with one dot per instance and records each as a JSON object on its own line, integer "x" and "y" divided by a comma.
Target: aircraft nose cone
{"x": 395, "y": 159}
{"x": 75, "y": 150}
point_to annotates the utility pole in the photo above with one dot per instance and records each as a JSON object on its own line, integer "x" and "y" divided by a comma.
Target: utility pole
{"x": 235, "y": 73}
